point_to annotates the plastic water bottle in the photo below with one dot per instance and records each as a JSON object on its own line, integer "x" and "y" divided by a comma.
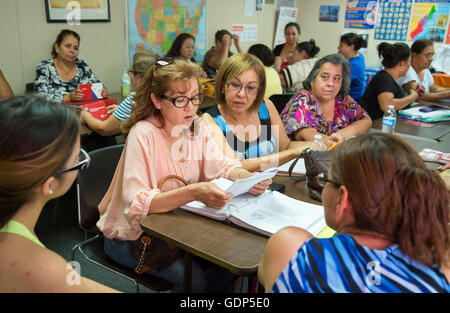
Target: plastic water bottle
{"x": 126, "y": 84}
{"x": 318, "y": 143}
{"x": 389, "y": 120}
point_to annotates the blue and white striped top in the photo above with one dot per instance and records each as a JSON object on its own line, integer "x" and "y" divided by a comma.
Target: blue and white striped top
{"x": 123, "y": 111}
{"x": 340, "y": 264}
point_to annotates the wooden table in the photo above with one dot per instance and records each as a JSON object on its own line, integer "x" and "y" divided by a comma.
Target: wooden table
{"x": 237, "y": 250}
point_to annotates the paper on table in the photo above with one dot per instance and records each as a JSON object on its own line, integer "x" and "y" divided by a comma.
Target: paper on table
{"x": 275, "y": 211}
{"x": 416, "y": 113}
{"x": 299, "y": 168}
{"x": 241, "y": 186}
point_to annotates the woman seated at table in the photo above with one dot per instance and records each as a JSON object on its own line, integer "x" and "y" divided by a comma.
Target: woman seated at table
{"x": 391, "y": 216}
{"x": 284, "y": 52}
{"x": 383, "y": 90}
{"x": 245, "y": 125}
{"x": 303, "y": 60}
{"x": 183, "y": 47}
{"x": 39, "y": 161}
{"x": 349, "y": 46}
{"x": 111, "y": 126}
{"x": 324, "y": 106}
{"x": 165, "y": 137}
{"x": 59, "y": 78}
{"x": 273, "y": 83}
{"x": 422, "y": 53}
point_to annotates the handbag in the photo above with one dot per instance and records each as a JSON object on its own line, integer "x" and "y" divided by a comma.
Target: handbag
{"x": 317, "y": 163}
{"x": 154, "y": 253}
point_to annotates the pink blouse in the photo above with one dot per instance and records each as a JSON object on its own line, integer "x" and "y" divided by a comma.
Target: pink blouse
{"x": 147, "y": 158}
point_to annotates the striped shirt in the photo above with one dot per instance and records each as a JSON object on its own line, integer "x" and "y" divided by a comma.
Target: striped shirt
{"x": 340, "y": 264}
{"x": 123, "y": 111}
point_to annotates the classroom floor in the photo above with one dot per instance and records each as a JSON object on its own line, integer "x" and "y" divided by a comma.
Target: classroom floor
{"x": 59, "y": 231}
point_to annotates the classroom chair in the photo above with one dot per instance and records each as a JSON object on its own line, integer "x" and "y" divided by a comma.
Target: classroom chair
{"x": 92, "y": 184}
{"x": 280, "y": 100}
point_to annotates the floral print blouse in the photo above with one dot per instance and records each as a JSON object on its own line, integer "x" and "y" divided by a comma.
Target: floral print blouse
{"x": 304, "y": 111}
{"x": 51, "y": 86}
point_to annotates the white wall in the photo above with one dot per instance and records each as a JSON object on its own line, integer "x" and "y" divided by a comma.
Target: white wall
{"x": 26, "y": 39}
{"x": 223, "y": 13}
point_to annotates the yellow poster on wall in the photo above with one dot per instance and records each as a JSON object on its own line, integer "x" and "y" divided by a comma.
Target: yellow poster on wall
{"x": 429, "y": 21}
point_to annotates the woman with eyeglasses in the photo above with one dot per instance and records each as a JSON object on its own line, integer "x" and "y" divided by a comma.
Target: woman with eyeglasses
{"x": 422, "y": 53}
{"x": 246, "y": 126}
{"x": 391, "y": 216}
{"x": 142, "y": 61}
{"x": 39, "y": 160}
{"x": 383, "y": 90}
{"x": 324, "y": 107}
{"x": 165, "y": 137}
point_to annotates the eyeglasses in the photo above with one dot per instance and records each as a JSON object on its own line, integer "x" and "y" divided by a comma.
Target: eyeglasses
{"x": 182, "y": 101}
{"x": 249, "y": 89}
{"x": 428, "y": 55}
{"x": 325, "y": 180}
{"x": 83, "y": 163}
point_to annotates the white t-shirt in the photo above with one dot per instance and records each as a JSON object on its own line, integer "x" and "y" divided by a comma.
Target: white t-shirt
{"x": 411, "y": 75}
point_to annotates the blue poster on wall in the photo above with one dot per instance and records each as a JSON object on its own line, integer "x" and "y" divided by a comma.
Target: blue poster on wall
{"x": 360, "y": 14}
{"x": 393, "y": 20}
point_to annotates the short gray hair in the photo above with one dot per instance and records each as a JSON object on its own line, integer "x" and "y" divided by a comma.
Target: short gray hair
{"x": 336, "y": 59}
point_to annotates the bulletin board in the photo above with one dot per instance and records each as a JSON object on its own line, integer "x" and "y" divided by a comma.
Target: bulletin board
{"x": 393, "y": 20}
{"x": 402, "y": 20}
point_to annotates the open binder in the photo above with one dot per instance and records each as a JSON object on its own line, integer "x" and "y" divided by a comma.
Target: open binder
{"x": 264, "y": 214}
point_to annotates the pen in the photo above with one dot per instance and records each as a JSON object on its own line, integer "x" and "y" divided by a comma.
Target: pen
{"x": 333, "y": 146}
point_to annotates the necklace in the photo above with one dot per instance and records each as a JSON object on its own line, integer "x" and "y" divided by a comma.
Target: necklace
{"x": 242, "y": 129}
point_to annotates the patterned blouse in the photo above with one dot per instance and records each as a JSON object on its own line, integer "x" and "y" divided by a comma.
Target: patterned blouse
{"x": 50, "y": 85}
{"x": 303, "y": 111}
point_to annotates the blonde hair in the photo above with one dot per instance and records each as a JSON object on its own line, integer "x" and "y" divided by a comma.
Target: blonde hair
{"x": 143, "y": 60}
{"x": 234, "y": 66}
{"x": 158, "y": 80}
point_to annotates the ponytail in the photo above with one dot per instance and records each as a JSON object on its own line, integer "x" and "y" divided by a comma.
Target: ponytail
{"x": 391, "y": 192}
{"x": 352, "y": 39}
{"x": 309, "y": 47}
{"x": 393, "y": 54}
{"x": 415, "y": 215}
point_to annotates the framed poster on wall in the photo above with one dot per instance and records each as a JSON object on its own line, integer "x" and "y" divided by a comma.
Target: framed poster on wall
{"x": 67, "y": 11}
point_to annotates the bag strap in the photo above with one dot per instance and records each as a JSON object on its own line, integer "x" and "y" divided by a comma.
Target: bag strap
{"x": 296, "y": 178}
{"x": 161, "y": 183}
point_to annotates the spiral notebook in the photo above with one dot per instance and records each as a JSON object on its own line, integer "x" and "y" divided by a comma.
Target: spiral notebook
{"x": 264, "y": 214}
